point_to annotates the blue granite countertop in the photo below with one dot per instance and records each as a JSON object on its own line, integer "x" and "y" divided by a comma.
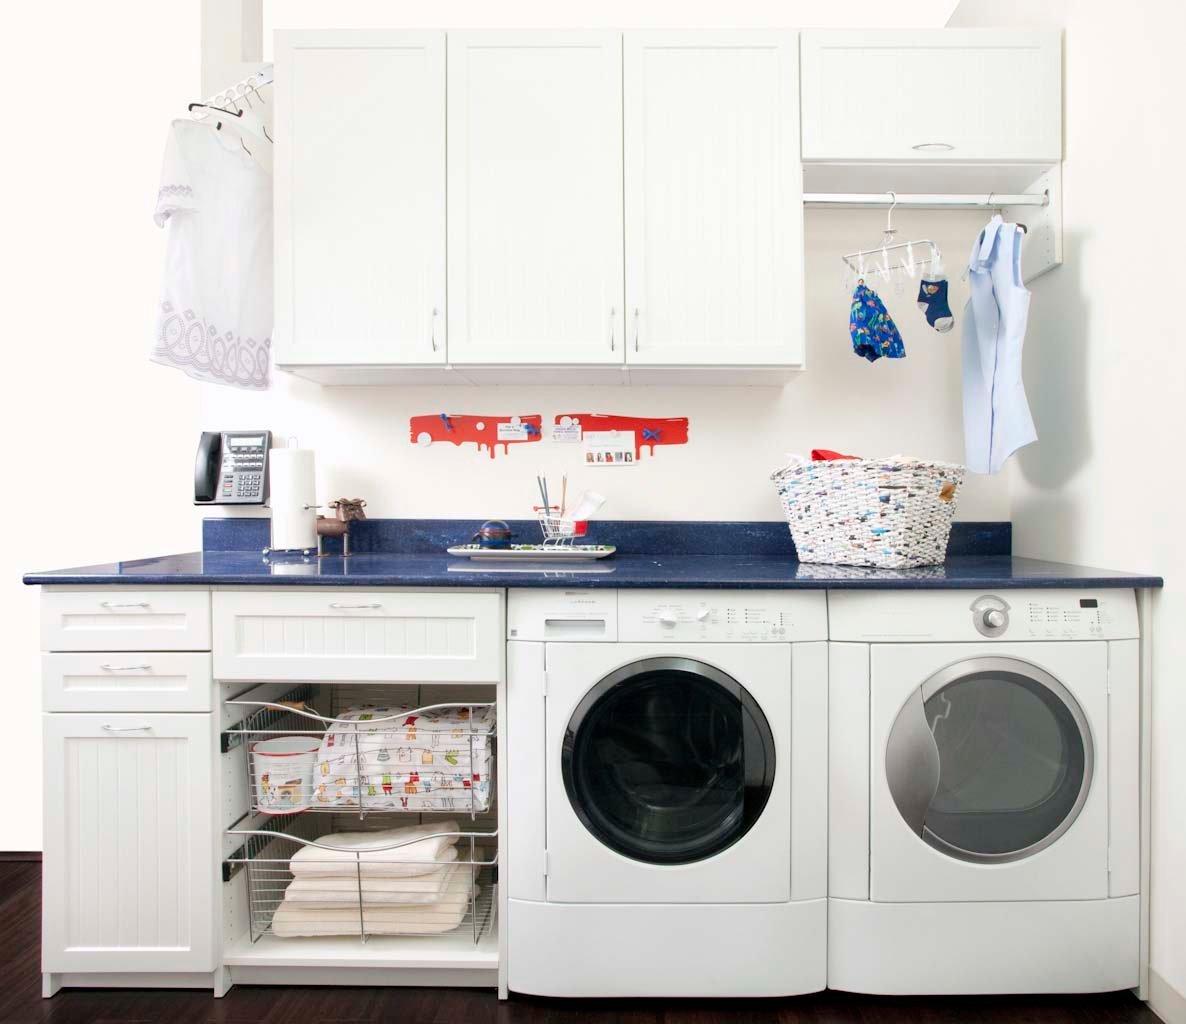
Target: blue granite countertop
{"x": 751, "y": 555}
{"x": 976, "y": 572}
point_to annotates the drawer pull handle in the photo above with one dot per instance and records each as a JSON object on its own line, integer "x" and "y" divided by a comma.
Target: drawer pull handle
{"x": 127, "y": 728}
{"x": 352, "y": 607}
{"x": 933, "y": 147}
{"x": 125, "y": 668}
{"x": 126, "y": 604}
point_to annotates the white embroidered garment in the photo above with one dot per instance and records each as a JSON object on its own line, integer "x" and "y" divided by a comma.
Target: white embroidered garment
{"x": 215, "y": 315}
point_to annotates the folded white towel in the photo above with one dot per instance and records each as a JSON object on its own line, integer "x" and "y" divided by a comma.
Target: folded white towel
{"x": 293, "y": 919}
{"x": 339, "y": 893}
{"x": 354, "y": 848}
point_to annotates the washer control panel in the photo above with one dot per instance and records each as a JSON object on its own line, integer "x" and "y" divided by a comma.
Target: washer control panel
{"x": 737, "y": 616}
{"x": 1066, "y": 618}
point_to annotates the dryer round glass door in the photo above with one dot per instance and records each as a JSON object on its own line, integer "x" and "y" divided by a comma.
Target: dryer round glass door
{"x": 990, "y": 760}
{"x": 668, "y": 761}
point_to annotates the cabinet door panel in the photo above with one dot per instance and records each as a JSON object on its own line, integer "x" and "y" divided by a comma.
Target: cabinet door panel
{"x": 360, "y": 197}
{"x": 129, "y": 863}
{"x": 944, "y": 95}
{"x": 714, "y": 217}
{"x": 535, "y": 197}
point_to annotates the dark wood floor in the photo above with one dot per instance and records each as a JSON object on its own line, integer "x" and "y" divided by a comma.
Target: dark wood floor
{"x": 21, "y": 1002}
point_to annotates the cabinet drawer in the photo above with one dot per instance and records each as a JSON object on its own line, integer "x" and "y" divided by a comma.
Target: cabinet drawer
{"x": 138, "y": 681}
{"x": 117, "y": 619}
{"x": 886, "y": 96}
{"x": 359, "y": 635}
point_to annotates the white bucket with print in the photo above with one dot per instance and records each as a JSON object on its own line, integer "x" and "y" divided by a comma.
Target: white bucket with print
{"x": 283, "y": 771}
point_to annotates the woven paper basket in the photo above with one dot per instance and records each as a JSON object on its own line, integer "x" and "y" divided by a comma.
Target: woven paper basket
{"x": 891, "y": 513}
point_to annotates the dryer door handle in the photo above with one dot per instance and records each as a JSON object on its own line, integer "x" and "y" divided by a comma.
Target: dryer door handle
{"x": 912, "y": 763}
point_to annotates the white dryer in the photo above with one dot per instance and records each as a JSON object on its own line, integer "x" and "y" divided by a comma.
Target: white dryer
{"x": 984, "y": 816}
{"x": 667, "y": 792}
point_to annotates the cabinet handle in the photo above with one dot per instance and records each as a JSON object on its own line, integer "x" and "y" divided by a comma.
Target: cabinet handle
{"x": 612, "y": 316}
{"x": 126, "y": 604}
{"x": 933, "y": 147}
{"x": 125, "y": 668}
{"x": 127, "y": 728}
{"x": 635, "y": 328}
{"x": 347, "y": 607}
{"x": 432, "y": 332}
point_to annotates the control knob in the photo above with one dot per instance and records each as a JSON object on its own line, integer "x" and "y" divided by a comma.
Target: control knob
{"x": 994, "y": 618}
{"x": 667, "y": 617}
{"x": 702, "y": 614}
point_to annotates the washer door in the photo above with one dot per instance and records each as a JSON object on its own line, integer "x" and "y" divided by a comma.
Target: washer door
{"x": 990, "y": 760}
{"x": 668, "y": 761}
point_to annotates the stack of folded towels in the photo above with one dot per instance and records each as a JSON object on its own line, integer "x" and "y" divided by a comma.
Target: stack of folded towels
{"x": 415, "y": 889}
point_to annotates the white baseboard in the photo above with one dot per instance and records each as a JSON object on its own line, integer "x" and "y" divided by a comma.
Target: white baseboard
{"x": 1166, "y": 1001}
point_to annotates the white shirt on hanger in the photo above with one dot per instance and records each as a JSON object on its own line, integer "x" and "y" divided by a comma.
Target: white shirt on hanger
{"x": 215, "y": 316}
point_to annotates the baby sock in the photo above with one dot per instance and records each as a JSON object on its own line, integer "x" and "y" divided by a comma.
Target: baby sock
{"x": 932, "y": 297}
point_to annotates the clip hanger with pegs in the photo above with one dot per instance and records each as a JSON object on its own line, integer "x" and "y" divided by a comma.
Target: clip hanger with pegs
{"x": 881, "y": 263}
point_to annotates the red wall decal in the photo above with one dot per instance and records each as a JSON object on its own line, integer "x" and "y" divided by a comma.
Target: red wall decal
{"x": 649, "y": 431}
{"x": 481, "y": 430}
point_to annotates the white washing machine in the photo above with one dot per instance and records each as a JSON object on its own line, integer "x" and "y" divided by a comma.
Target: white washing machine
{"x": 667, "y": 792}
{"x": 985, "y": 792}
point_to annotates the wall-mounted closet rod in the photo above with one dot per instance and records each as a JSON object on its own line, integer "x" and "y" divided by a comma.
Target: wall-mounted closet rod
{"x": 925, "y": 200}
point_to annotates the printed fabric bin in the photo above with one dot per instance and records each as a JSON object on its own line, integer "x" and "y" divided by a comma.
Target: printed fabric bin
{"x": 891, "y": 513}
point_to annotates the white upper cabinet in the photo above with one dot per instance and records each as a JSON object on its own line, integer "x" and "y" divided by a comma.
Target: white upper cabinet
{"x": 714, "y": 214}
{"x": 535, "y": 198}
{"x": 954, "y": 95}
{"x": 360, "y": 198}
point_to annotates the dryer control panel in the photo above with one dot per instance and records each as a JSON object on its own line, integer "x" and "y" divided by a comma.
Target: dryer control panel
{"x": 715, "y": 616}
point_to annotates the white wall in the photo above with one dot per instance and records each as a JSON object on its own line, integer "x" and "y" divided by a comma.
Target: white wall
{"x": 1107, "y": 385}
{"x": 85, "y": 119}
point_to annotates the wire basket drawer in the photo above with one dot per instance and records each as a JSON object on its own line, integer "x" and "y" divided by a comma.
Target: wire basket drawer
{"x": 368, "y": 757}
{"x": 301, "y": 884}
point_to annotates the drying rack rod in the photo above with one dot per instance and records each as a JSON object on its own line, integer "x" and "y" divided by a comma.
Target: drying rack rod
{"x": 926, "y": 200}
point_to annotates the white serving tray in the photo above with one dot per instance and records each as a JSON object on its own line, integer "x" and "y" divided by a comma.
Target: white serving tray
{"x": 534, "y": 552}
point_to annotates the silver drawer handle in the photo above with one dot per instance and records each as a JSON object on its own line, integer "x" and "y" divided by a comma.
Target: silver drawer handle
{"x": 126, "y": 604}
{"x": 125, "y": 668}
{"x": 933, "y": 147}
{"x": 635, "y": 328}
{"x": 432, "y": 335}
{"x": 127, "y": 728}
{"x": 351, "y": 607}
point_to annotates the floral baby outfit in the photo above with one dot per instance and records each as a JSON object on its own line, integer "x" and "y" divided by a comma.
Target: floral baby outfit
{"x": 874, "y": 333}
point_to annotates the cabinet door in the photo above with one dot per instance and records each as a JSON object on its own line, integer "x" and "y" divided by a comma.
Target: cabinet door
{"x": 940, "y": 95}
{"x": 360, "y": 197}
{"x": 714, "y": 212}
{"x": 129, "y": 863}
{"x": 535, "y": 197}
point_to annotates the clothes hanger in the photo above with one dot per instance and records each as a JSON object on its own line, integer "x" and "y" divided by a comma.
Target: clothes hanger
{"x": 904, "y": 260}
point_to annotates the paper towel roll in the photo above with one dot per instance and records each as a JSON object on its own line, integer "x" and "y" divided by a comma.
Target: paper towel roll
{"x": 294, "y": 519}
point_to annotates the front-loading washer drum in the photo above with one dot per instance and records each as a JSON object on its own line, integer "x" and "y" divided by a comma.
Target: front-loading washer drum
{"x": 990, "y": 760}
{"x": 668, "y": 760}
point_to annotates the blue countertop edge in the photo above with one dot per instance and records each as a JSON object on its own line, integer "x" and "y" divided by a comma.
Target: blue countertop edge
{"x": 724, "y": 572}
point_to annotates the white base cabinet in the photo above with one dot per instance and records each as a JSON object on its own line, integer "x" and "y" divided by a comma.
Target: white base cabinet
{"x": 130, "y": 843}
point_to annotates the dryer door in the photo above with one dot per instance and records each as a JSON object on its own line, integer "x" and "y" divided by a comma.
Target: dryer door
{"x": 990, "y": 760}
{"x": 668, "y": 760}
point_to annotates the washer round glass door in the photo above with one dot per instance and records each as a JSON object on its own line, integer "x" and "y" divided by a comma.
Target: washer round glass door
{"x": 990, "y": 760}
{"x": 668, "y": 761}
